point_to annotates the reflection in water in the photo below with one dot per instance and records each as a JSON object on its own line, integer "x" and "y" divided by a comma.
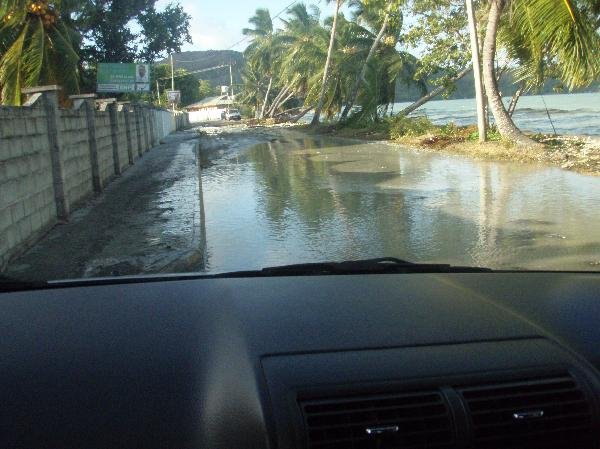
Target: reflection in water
{"x": 303, "y": 200}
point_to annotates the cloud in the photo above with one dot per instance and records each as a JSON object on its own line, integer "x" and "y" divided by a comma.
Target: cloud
{"x": 209, "y": 31}
{"x": 210, "y": 36}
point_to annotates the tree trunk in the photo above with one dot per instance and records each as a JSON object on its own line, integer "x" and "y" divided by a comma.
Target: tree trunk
{"x": 486, "y": 108}
{"x": 384, "y": 110}
{"x": 300, "y": 115}
{"x": 277, "y": 101}
{"x": 481, "y": 121}
{"x": 363, "y": 72}
{"x": 504, "y": 123}
{"x": 434, "y": 93}
{"x": 515, "y": 99}
{"x": 262, "y": 111}
{"x": 273, "y": 106}
{"x": 281, "y": 102}
{"x": 289, "y": 111}
{"x": 317, "y": 117}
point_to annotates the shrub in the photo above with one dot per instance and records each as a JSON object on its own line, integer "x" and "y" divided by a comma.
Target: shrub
{"x": 492, "y": 134}
{"x": 453, "y": 132}
{"x": 246, "y": 111}
{"x": 402, "y": 126}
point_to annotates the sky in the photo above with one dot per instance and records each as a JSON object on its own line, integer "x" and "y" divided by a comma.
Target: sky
{"x": 218, "y": 24}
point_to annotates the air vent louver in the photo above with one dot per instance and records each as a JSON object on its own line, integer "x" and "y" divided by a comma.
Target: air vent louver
{"x": 412, "y": 421}
{"x": 543, "y": 413}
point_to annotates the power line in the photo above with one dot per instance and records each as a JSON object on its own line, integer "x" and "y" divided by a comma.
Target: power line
{"x": 245, "y": 38}
{"x": 276, "y": 16}
{"x": 204, "y": 60}
{"x": 195, "y": 71}
{"x": 237, "y": 43}
{"x": 285, "y": 9}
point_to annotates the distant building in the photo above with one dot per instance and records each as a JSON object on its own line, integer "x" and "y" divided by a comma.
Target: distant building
{"x": 211, "y": 108}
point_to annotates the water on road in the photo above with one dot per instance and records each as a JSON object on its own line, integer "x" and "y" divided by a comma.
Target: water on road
{"x": 299, "y": 199}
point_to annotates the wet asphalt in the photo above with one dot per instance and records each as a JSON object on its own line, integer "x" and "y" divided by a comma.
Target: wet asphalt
{"x": 148, "y": 220}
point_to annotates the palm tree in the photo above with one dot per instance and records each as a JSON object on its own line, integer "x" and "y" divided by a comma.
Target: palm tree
{"x": 370, "y": 11}
{"x": 36, "y": 47}
{"x": 379, "y": 78}
{"x": 479, "y": 98}
{"x": 304, "y": 47}
{"x": 262, "y": 49}
{"x": 353, "y": 43}
{"x": 317, "y": 117}
{"x": 251, "y": 93}
{"x": 558, "y": 30}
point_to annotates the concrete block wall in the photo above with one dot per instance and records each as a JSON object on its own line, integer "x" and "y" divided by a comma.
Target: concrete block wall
{"x": 157, "y": 129}
{"x": 122, "y": 141}
{"x": 52, "y": 159}
{"x": 181, "y": 120}
{"x": 27, "y": 204}
{"x": 150, "y": 120}
{"x": 75, "y": 155}
{"x": 105, "y": 147}
{"x": 133, "y": 134}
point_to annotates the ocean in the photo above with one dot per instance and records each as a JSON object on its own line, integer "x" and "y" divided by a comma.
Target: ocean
{"x": 572, "y": 114}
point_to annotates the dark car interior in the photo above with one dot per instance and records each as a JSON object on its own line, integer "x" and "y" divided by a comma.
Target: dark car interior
{"x": 454, "y": 360}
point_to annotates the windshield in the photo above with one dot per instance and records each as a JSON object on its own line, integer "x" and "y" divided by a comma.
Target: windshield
{"x": 178, "y": 136}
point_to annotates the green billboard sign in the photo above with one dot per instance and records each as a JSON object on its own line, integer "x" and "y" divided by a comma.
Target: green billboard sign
{"x": 120, "y": 78}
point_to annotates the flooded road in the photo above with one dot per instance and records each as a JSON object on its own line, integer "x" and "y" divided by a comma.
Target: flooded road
{"x": 302, "y": 199}
{"x": 228, "y": 201}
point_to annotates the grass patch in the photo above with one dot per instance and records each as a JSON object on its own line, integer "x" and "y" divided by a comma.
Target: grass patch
{"x": 492, "y": 135}
{"x": 353, "y": 128}
{"x": 402, "y": 126}
{"x": 410, "y": 130}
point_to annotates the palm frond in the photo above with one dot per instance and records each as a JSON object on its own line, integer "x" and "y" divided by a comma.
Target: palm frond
{"x": 563, "y": 34}
{"x": 263, "y": 24}
{"x": 11, "y": 74}
{"x": 33, "y": 53}
{"x": 65, "y": 58}
{"x": 13, "y": 12}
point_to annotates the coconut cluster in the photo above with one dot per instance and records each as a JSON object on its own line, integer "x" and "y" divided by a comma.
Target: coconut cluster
{"x": 42, "y": 9}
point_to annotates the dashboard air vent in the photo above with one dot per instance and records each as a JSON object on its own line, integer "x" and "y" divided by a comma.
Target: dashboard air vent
{"x": 543, "y": 413}
{"x": 412, "y": 421}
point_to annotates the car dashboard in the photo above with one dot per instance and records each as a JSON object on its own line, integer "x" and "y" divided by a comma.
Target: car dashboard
{"x": 486, "y": 360}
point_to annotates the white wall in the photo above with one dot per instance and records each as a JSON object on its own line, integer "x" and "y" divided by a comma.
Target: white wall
{"x": 205, "y": 115}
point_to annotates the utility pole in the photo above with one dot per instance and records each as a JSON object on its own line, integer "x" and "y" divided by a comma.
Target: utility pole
{"x": 172, "y": 77}
{"x": 172, "y": 74}
{"x": 231, "y": 80}
{"x": 158, "y": 92}
{"x": 481, "y": 122}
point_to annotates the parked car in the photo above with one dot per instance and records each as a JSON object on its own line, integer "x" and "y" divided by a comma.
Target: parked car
{"x": 233, "y": 114}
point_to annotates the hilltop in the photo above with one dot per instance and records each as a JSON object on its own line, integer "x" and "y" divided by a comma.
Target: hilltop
{"x": 465, "y": 89}
{"x": 199, "y": 60}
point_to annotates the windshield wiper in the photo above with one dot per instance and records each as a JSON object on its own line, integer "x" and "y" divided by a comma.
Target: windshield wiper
{"x": 8, "y": 284}
{"x": 386, "y": 265}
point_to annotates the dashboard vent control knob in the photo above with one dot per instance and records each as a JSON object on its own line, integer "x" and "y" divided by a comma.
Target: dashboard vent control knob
{"x": 531, "y": 414}
{"x": 382, "y": 430}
